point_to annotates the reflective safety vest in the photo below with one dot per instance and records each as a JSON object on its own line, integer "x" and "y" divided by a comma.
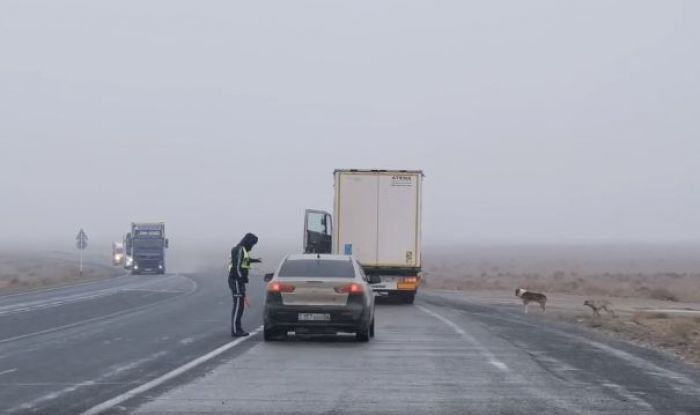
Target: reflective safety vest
{"x": 245, "y": 263}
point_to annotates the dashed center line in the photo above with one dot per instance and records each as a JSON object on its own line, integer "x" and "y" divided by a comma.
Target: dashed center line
{"x": 7, "y": 372}
{"x": 166, "y": 377}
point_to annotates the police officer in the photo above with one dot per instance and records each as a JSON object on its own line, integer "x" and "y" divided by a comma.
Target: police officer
{"x": 238, "y": 278}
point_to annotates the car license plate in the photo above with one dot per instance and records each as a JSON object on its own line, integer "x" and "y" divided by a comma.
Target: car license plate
{"x": 314, "y": 317}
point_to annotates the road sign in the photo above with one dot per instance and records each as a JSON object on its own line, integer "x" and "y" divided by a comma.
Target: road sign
{"x": 81, "y": 244}
{"x": 81, "y": 240}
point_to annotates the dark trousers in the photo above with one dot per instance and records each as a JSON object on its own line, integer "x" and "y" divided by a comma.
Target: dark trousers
{"x": 237, "y": 312}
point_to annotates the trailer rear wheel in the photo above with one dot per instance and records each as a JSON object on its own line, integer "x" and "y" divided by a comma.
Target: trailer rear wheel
{"x": 408, "y": 298}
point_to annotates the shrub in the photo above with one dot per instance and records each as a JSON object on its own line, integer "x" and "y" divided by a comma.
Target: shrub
{"x": 663, "y": 294}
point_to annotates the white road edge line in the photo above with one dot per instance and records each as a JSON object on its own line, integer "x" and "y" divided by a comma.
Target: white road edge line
{"x": 166, "y": 377}
{"x": 64, "y": 286}
{"x": 7, "y": 372}
{"x": 195, "y": 286}
{"x": 489, "y": 356}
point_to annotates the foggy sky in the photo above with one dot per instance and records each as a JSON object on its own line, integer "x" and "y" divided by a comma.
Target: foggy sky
{"x": 552, "y": 121}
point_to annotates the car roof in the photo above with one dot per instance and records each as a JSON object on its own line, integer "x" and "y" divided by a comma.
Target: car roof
{"x": 322, "y": 257}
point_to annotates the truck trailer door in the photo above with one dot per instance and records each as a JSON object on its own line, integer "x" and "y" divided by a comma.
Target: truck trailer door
{"x": 318, "y": 231}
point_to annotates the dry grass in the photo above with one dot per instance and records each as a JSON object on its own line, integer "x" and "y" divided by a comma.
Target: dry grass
{"x": 590, "y": 272}
{"x": 677, "y": 334}
{"x": 680, "y": 334}
{"x": 21, "y": 271}
{"x": 636, "y": 276}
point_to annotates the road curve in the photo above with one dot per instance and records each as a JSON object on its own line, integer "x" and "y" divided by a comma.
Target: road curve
{"x": 443, "y": 356}
{"x": 160, "y": 344}
{"x": 66, "y": 349}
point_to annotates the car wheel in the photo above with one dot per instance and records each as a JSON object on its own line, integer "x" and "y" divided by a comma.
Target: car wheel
{"x": 271, "y": 335}
{"x": 371, "y": 329}
{"x": 363, "y": 334}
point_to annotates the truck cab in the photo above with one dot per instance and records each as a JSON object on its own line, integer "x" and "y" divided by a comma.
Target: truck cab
{"x": 148, "y": 244}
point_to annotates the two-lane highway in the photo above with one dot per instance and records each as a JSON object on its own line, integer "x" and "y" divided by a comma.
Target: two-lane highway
{"x": 443, "y": 356}
{"x": 67, "y": 349}
{"x": 160, "y": 344}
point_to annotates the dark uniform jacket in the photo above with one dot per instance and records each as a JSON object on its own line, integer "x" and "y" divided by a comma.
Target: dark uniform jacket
{"x": 238, "y": 273}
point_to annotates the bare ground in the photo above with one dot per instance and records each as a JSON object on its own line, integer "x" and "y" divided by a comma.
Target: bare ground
{"x": 24, "y": 270}
{"x": 655, "y": 291}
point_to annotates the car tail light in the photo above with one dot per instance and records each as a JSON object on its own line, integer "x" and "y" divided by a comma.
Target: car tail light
{"x": 410, "y": 279}
{"x": 349, "y": 289}
{"x": 280, "y": 287}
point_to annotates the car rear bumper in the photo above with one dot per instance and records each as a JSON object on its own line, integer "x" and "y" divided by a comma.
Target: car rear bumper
{"x": 349, "y": 318}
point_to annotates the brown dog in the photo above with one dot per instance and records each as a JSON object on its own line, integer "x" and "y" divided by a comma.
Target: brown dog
{"x": 529, "y": 297}
{"x": 597, "y": 305}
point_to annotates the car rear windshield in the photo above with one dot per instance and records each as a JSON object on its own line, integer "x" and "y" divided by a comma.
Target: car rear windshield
{"x": 317, "y": 268}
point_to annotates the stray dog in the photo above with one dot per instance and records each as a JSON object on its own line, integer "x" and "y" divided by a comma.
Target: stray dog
{"x": 529, "y": 297}
{"x": 597, "y": 305}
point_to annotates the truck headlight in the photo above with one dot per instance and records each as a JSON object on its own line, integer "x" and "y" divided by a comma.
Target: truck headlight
{"x": 136, "y": 266}
{"x": 160, "y": 266}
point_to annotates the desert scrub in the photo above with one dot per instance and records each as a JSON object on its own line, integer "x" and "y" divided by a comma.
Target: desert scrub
{"x": 663, "y": 294}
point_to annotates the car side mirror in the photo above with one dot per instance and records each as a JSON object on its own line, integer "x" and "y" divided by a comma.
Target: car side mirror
{"x": 268, "y": 277}
{"x": 166, "y": 243}
{"x": 374, "y": 279}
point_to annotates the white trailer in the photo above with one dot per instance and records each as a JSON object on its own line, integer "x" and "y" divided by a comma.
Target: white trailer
{"x": 378, "y": 220}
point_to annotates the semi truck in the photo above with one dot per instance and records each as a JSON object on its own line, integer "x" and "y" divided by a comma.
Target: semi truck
{"x": 147, "y": 244}
{"x": 378, "y": 216}
{"x": 128, "y": 259}
{"x": 118, "y": 254}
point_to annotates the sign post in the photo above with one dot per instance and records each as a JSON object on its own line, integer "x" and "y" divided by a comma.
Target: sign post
{"x": 81, "y": 244}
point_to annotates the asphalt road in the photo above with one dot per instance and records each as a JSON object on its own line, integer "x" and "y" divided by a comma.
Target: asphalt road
{"x": 120, "y": 345}
{"x": 65, "y": 350}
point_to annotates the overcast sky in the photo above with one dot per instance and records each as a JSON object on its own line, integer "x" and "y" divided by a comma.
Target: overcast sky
{"x": 543, "y": 121}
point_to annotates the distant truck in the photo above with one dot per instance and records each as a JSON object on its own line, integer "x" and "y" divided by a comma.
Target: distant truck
{"x": 128, "y": 259}
{"x": 146, "y": 248}
{"x": 378, "y": 217}
{"x": 118, "y": 253}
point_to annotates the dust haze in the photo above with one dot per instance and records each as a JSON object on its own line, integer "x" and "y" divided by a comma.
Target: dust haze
{"x": 539, "y": 122}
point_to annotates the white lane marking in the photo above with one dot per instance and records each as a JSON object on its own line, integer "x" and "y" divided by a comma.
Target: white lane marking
{"x": 648, "y": 366}
{"x": 74, "y": 298}
{"x": 499, "y": 365}
{"x": 149, "y": 290}
{"x": 195, "y": 287}
{"x": 670, "y": 310}
{"x": 72, "y": 388}
{"x": 688, "y": 386}
{"x": 7, "y": 372}
{"x": 166, "y": 377}
{"x": 491, "y": 358}
{"x": 65, "y": 287}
